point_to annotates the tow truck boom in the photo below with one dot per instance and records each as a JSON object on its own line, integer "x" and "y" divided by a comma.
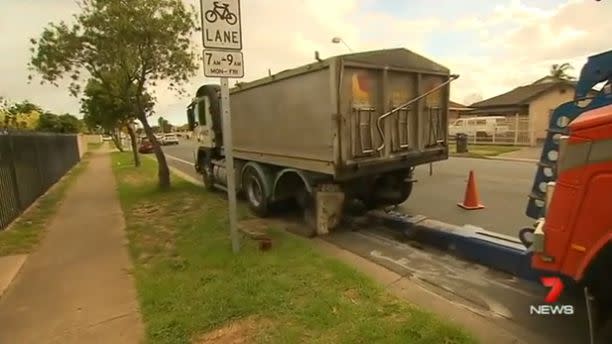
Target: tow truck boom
{"x": 597, "y": 69}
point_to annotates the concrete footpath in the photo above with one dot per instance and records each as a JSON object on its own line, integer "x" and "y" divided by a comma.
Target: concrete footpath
{"x": 77, "y": 287}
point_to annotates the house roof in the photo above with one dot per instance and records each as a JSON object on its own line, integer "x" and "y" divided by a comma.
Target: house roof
{"x": 456, "y": 106}
{"x": 521, "y": 95}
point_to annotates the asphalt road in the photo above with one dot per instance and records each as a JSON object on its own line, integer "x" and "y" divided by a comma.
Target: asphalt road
{"x": 503, "y": 188}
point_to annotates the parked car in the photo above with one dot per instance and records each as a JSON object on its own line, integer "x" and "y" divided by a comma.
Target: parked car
{"x": 169, "y": 139}
{"x": 145, "y": 146}
{"x": 106, "y": 138}
{"x": 480, "y": 126}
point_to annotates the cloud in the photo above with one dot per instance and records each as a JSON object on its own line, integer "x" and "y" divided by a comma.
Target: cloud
{"x": 522, "y": 42}
{"x": 279, "y": 35}
{"x": 22, "y": 20}
{"x": 576, "y": 29}
{"x": 511, "y": 45}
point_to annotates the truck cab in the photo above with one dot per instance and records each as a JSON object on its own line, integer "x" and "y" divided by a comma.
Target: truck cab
{"x": 204, "y": 118}
{"x": 579, "y": 212}
{"x": 574, "y": 238}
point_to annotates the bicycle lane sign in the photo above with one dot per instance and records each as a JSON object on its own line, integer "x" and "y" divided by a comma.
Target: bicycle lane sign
{"x": 221, "y": 27}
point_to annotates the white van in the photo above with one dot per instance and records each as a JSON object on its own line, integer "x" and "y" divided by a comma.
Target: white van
{"x": 479, "y": 126}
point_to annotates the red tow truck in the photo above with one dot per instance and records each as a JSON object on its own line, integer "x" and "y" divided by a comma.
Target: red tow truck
{"x": 572, "y": 196}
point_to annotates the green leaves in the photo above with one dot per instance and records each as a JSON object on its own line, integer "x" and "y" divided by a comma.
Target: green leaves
{"x": 65, "y": 123}
{"x": 109, "y": 104}
{"x": 121, "y": 48}
{"x": 139, "y": 41}
{"x": 559, "y": 71}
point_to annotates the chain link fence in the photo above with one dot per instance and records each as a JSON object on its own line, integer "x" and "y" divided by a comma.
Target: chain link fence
{"x": 30, "y": 163}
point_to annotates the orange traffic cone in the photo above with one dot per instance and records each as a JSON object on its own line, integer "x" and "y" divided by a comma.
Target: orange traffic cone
{"x": 471, "y": 200}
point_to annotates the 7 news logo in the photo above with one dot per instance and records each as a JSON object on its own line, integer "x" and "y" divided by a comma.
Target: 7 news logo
{"x": 552, "y": 307}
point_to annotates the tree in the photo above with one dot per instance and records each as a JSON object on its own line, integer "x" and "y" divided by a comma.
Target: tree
{"x": 23, "y": 115}
{"x": 145, "y": 41}
{"x": 164, "y": 125}
{"x": 97, "y": 115}
{"x": 102, "y": 107}
{"x": 24, "y": 107}
{"x": 65, "y": 124}
{"x": 559, "y": 71}
{"x": 4, "y": 104}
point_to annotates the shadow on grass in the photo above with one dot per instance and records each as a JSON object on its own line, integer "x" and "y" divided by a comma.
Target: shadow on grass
{"x": 192, "y": 288}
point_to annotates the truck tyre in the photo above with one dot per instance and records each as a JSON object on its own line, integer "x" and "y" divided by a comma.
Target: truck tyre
{"x": 206, "y": 168}
{"x": 255, "y": 193}
{"x": 372, "y": 202}
{"x": 207, "y": 179}
{"x": 306, "y": 202}
{"x": 604, "y": 333}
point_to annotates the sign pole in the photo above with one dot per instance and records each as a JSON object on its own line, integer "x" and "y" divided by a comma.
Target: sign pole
{"x": 222, "y": 58}
{"x": 229, "y": 163}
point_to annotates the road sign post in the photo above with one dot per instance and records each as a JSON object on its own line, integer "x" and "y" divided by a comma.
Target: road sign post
{"x": 229, "y": 163}
{"x": 222, "y": 40}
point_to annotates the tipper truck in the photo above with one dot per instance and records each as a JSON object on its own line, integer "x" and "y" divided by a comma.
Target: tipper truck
{"x": 572, "y": 195}
{"x": 348, "y": 127}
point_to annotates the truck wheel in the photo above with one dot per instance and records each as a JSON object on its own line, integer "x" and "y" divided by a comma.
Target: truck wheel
{"x": 406, "y": 188}
{"x": 208, "y": 179}
{"x": 604, "y": 333}
{"x": 306, "y": 203}
{"x": 254, "y": 192}
{"x": 372, "y": 201}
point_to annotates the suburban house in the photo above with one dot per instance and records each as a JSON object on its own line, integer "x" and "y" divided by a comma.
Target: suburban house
{"x": 456, "y": 110}
{"x": 533, "y": 104}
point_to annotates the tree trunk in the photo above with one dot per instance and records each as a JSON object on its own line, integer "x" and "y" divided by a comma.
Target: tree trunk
{"x": 117, "y": 141}
{"x": 163, "y": 173}
{"x": 132, "y": 134}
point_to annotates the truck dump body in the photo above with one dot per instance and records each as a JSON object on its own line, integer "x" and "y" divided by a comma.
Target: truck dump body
{"x": 322, "y": 117}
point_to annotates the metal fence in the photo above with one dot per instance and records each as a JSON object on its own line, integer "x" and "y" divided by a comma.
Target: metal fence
{"x": 30, "y": 163}
{"x": 514, "y": 130}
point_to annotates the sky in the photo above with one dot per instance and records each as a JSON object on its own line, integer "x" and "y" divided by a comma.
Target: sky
{"x": 494, "y": 45}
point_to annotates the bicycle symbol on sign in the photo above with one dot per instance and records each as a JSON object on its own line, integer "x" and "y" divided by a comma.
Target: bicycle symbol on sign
{"x": 220, "y": 11}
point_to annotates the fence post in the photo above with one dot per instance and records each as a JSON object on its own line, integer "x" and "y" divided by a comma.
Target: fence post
{"x": 516, "y": 128}
{"x": 14, "y": 172}
{"x": 41, "y": 179}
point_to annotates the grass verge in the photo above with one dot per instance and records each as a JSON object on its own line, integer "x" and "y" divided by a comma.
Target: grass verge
{"x": 192, "y": 289}
{"x": 26, "y": 232}
{"x": 482, "y": 151}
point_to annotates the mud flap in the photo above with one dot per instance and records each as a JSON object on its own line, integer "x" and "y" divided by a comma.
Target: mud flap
{"x": 329, "y": 202}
